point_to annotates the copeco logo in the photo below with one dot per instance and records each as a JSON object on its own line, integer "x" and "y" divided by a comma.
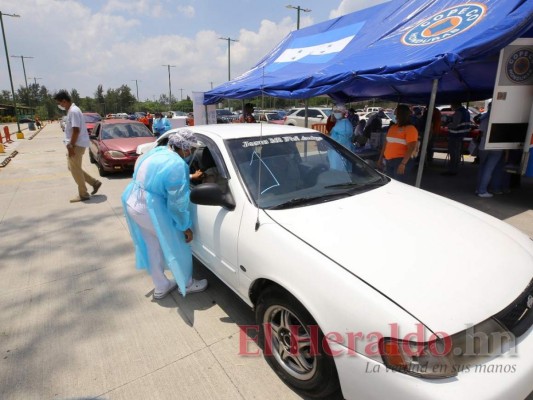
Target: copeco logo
{"x": 519, "y": 66}
{"x": 445, "y": 24}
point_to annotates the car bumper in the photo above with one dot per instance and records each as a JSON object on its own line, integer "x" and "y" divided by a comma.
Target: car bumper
{"x": 504, "y": 377}
{"x": 119, "y": 165}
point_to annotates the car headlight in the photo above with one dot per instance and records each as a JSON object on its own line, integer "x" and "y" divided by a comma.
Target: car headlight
{"x": 446, "y": 356}
{"x": 432, "y": 360}
{"x": 114, "y": 154}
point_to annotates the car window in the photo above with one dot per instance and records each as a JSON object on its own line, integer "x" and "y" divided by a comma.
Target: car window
{"x": 96, "y": 131}
{"x": 208, "y": 159}
{"x": 274, "y": 117}
{"x": 299, "y": 169}
{"x": 313, "y": 113}
{"x": 92, "y": 118}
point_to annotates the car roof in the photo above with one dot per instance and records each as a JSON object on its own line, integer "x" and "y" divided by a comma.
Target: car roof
{"x": 236, "y": 131}
{"x": 119, "y": 121}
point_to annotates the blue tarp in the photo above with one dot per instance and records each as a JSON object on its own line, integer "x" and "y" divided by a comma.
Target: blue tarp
{"x": 392, "y": 51}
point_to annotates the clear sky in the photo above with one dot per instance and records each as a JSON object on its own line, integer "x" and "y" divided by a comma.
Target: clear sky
{"x": 84, "y": 43}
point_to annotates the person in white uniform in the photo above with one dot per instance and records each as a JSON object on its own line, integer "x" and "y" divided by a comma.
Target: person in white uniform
{"x": 156, "y": 204}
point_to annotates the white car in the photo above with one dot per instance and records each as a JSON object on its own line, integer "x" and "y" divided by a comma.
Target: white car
{"x": 385, "y": 121}
{"x": 346, "y": 271}
{"x": 161, "y": 140}
{"x": 315, "y": 115}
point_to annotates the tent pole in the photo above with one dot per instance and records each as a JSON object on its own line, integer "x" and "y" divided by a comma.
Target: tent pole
{"x": 306, "y": 120}
{"x": 427, "y": 128}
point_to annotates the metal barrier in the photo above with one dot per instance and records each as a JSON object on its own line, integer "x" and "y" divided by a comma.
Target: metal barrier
{"x": 319, "y": 127}
{"x": 7, "y": 135}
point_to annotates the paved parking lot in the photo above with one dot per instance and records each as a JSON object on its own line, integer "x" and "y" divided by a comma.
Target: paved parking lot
{"x": 77, "y": 321}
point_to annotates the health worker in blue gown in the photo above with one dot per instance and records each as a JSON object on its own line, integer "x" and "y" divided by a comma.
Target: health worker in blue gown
{"x": 342, "y": 132}
{"x": 156, "y": 204}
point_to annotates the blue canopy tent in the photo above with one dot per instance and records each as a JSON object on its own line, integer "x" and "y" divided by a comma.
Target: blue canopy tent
{"x": 413, "y": 51}
{"x": 392, "y": 51}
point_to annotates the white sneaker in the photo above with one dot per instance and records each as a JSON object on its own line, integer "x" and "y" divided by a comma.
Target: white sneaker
{"x": 196, "y": 286}
{"x": 160, "y": 295}
{"x": 486, "y": 195}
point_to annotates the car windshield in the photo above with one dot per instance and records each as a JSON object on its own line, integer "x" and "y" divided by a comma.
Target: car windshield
{"x": 122, "y": 131}
{"x": 92, "y": 118}
{"x": 224, "y": 112}
{"x": 298, "y": 170}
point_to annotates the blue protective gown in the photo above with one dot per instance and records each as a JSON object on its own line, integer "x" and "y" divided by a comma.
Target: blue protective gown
{"x": 342, "y": 132}
{"x": 166, "y": 190}
{"x": 160, "y": 126}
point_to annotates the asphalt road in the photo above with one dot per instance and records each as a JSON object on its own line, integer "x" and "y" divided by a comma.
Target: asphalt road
{"x": 77, "y": 321}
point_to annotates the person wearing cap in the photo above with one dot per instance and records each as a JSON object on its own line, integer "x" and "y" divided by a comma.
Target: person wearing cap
{"x": 156, "y": 205}
{"x": 160, "y": 124}
{"x": 341, "y": 132}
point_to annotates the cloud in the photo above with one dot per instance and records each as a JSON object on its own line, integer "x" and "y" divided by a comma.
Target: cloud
{"x": 188, "y": 11}
{"x": 349, "y": 6}
{"x": 79, "y": 44}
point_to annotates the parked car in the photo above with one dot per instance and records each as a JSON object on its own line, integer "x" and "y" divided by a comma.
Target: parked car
{"x": 225, "y": 116}
{"x": 385, "y": 121}
{"x": 114, "y": 143}
{"x": 440, "y": 142}
{"x": 91, "y": 119}
{"x": 269, "y": 117}
{"x": 315, "y": 115}
{"x": 345, "y": 271}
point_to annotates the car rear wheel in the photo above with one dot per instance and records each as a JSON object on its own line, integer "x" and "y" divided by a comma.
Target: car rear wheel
{"x": 294, "y": 345}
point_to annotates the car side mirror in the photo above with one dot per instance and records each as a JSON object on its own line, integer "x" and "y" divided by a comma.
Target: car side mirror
{"x": 210, "y": 194}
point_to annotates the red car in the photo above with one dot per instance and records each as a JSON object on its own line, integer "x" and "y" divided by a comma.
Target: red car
{"x": 91, "y": 119}
{"x": 114, "y": 143}
{"x": 440, "y": 142}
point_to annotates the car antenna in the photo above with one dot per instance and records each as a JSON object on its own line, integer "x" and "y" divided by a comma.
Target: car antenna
{"x": 257, "y": 222}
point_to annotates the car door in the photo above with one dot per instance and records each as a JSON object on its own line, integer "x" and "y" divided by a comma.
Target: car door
{"x": 95, "y": 137}
{"x": 216, "y": 229}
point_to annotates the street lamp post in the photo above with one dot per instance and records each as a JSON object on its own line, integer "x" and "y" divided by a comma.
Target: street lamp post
{"x": 24, "y": 69}
{"x": 229, "y": 54}
{"x": 136, "y": 87}
{"x": 19, "y": 132}
{"x": 298, "y": 8}
{"x": 169, "y": 86}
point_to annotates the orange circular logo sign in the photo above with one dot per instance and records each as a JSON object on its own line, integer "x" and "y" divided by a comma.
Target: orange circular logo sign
{"x": 445, "y": 24}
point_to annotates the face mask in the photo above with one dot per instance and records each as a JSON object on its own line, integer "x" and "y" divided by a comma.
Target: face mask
{"x": 338, "y": 115}
{"x": 61, "y": 107}
{"x": 187, "y": 159}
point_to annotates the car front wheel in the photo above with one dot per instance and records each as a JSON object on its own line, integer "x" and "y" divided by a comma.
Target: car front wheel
{"x": 101, "y": 169}
{"x": 294, "y": 345}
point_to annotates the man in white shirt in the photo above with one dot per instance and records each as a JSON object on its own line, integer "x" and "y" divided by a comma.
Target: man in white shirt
{"x": 76, "y": 140}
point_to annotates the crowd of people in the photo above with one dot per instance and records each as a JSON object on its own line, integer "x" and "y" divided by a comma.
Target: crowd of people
{"x": 398, "y": 145}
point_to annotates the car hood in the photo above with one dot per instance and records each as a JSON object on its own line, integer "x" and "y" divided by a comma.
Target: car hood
{"x": 445, "y": 263}
{"x": 127, "y": 145}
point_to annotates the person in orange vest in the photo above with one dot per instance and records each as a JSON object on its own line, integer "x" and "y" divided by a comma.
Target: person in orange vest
{"x": 400, "y": 144}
